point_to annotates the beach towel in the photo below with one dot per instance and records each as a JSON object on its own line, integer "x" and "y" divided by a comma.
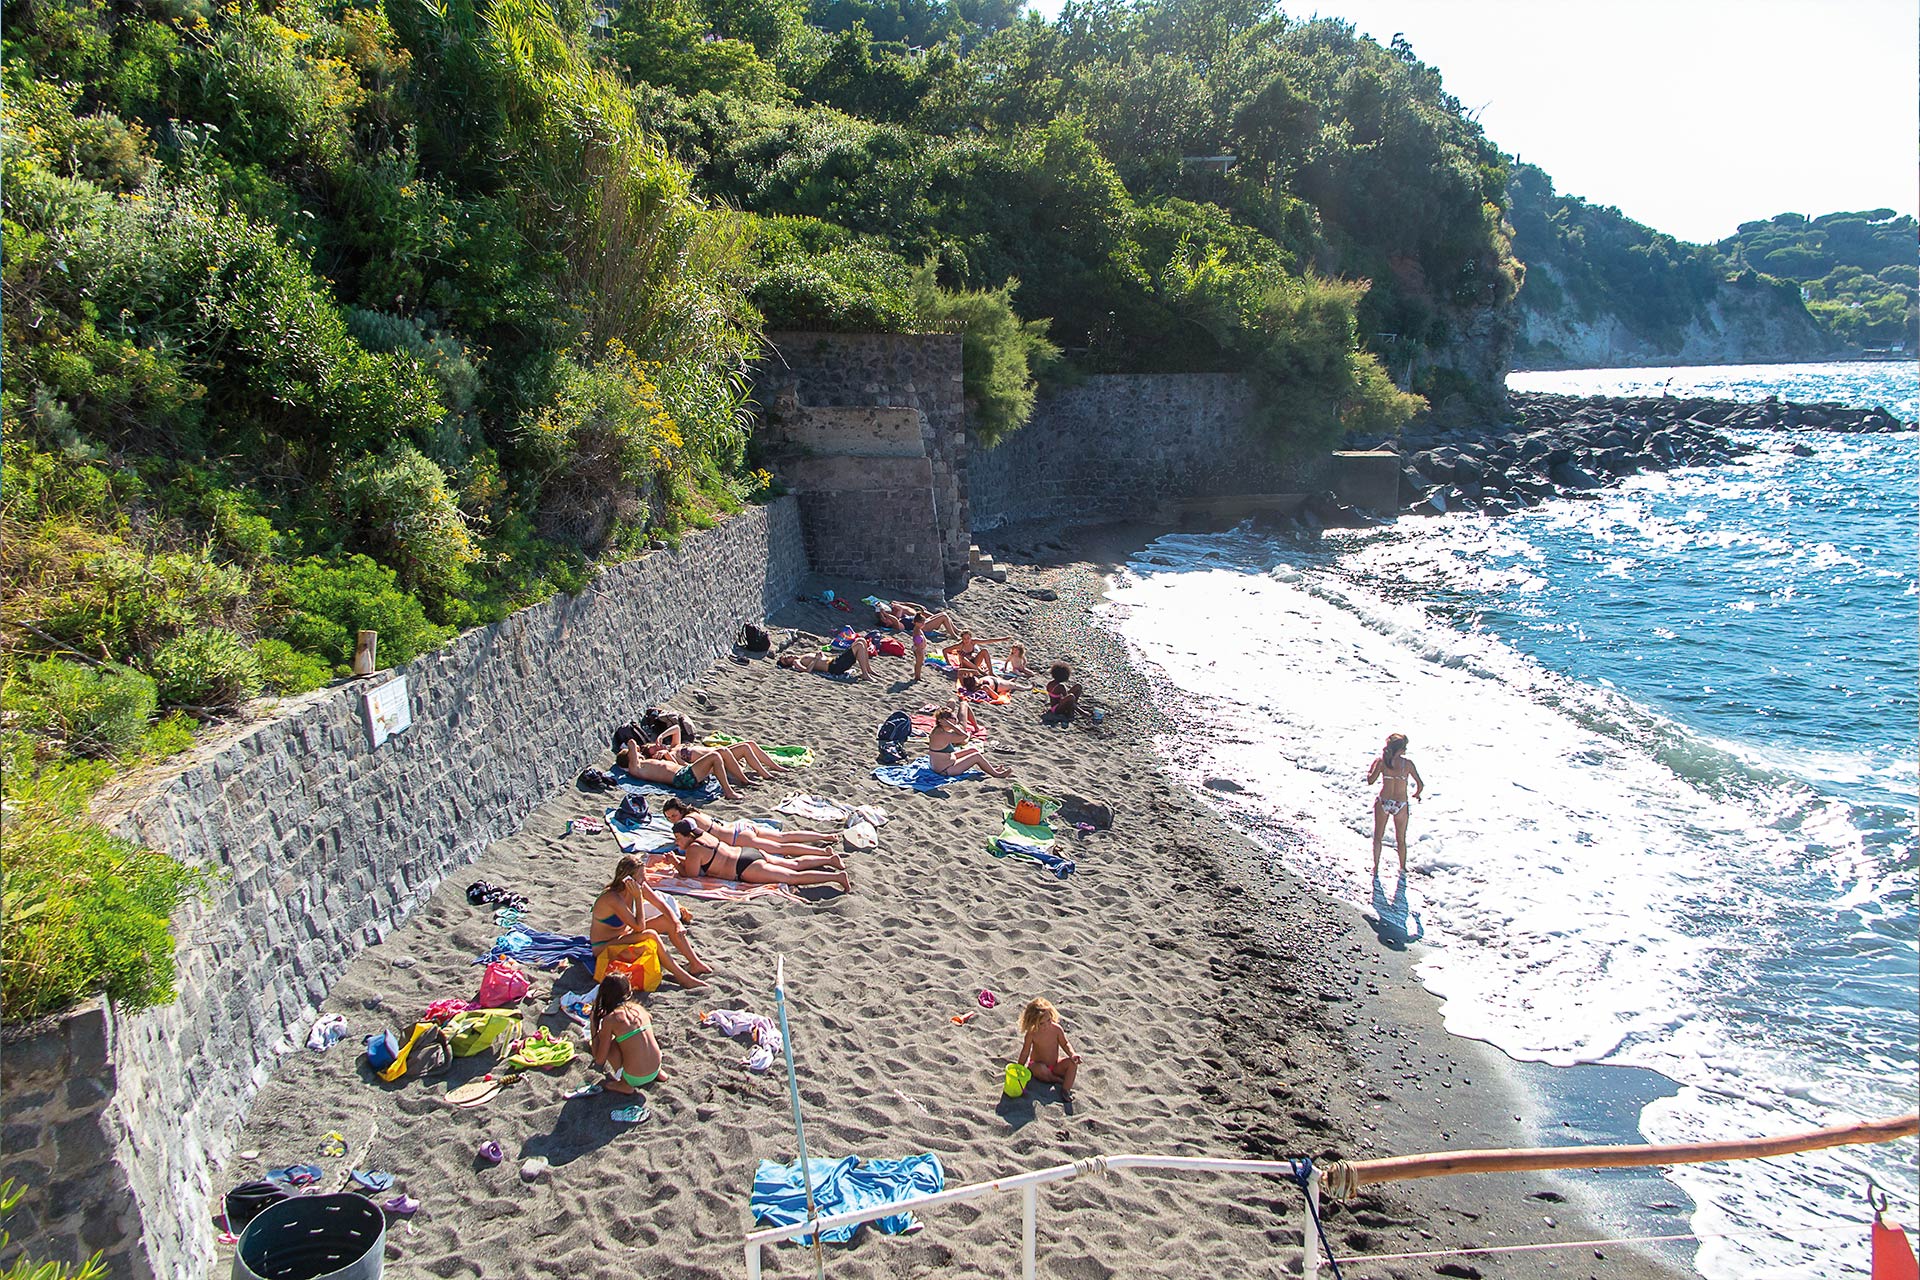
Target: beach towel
{"x": 767, "y": 1043}
{"x": 1005, "y": 847}
{"x": 796, "y": 757}
{"x": 998, "y": 698}
{"x": 540, "y": 949}
{"x": 919, "y": 776}
{"x": 813, "y": 808}
{"x": 923, "y": 725}
{"x": 1038, "y": 834}
{"x": 705, "y": 794}
{"x": 780, "y": 1196}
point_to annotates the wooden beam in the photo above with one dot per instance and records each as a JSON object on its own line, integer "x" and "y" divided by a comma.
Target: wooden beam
{"x": 1345, "y": 1177}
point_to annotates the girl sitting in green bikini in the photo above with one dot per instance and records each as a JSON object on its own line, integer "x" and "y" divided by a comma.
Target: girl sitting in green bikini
{"x": 623, "y": 1043}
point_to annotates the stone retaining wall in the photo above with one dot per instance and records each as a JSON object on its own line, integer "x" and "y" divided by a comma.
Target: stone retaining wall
{"x": 1122, "y": 444}
{"x": 326, "y": 845}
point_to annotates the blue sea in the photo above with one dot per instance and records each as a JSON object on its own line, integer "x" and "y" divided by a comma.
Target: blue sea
{"x": 1671, "y": 747}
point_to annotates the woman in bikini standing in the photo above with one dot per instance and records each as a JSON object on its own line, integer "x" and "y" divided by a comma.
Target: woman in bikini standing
{"x": 1393, "y": 768}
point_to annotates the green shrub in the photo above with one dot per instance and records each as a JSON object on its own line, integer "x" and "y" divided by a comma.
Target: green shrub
{"x": 206, "y": 670}
{"x": 285, "y": 670}
{"x": 95, "y": 711}
{"x": 169, "y": 736}
{"x": 328, "y": 604}
{"x": 399, "y": 507}
{"x": 1000, "y": 352}
{"x": 82, "y": 912}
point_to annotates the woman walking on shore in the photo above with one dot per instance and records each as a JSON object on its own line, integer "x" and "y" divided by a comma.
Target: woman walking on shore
{"x": 1393, "y": 768}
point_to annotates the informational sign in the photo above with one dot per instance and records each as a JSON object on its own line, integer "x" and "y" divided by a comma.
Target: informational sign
{"x": 388, "y": 711}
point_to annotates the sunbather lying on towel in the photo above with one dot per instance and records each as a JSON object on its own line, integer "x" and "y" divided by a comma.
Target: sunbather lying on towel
{"x": 977, "y": 688}
{"x": 725, "y": 762}
{"x": 833, "y": 664}
{"x": 636, "y": 760}
{"x": 748, "y": 834}
{"x": 902, "y": 615}
{"x": 950, "y": 751}
{"x": 627, "y": 913}
{"x": 746, "y": 755}
{"x": 708, "y": 855}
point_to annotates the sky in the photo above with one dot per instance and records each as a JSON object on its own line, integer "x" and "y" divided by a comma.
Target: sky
{"x": 1691, "y": 116}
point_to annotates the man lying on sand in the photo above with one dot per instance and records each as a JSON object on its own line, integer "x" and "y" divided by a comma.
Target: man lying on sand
{"x": 691, "y": 776}
{"x": 708, "y": 855}
{"x": 747, "y": 756}
{"x": 905, "y": 615}
{"x": 856, "y": 654}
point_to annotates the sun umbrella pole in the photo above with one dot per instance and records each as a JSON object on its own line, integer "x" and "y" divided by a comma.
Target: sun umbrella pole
{"x": 799, "y": 1127}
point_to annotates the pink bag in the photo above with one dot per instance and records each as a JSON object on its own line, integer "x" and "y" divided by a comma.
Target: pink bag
{"x": 502, "y": 986}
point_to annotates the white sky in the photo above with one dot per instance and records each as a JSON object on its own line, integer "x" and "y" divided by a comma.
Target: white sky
{"x": 1692, "y": 116}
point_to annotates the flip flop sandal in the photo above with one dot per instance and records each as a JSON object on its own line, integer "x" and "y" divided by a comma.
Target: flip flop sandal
{"x": 585, "y": 1091}
{"x": 334, "y": 1145}
{"x": 375, "y": 1180}
{"x": 297, "y": 1175}
{"x": 631, "y": 1115}
{"x": 401, "y": 1206}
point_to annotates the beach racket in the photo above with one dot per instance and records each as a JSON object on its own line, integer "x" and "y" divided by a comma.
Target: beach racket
{"x": 475, "y": 1093}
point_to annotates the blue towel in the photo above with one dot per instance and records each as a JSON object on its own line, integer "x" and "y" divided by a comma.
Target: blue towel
{"x": 633, "y": 837}
{"x": 1062, "y": 867}
{"x": 780, "y": 1197}
{"x": 540, "y": 949}
{"x": 704, "y": 795}
{"x": 920, "y": 777}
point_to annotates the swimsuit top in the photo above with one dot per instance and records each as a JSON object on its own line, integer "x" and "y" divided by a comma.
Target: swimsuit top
{"x": 713, "y": 851}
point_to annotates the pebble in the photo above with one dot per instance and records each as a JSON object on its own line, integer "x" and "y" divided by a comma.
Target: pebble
{"x": 535, "y": 1169}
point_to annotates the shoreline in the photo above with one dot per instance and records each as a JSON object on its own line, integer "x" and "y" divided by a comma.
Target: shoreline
{"x": 1224, "y": 1008}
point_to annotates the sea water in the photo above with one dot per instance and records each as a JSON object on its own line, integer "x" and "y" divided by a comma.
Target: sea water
{"x": 1669, "y": 739}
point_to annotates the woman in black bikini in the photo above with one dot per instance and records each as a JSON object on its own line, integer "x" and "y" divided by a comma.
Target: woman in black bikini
{"x": 1393, "y": 768}
{"x": 708, "y": 855}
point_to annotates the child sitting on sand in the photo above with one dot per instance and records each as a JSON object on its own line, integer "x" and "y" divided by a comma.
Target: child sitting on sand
{"x": 622, "y": 1034}
{"x": 1063, "y": 692}
{"x": 1016, "y": 663}
{"x": 1045, "y": 1050}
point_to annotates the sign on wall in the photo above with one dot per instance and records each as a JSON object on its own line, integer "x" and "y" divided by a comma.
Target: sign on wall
{"x": 388, "y": 711}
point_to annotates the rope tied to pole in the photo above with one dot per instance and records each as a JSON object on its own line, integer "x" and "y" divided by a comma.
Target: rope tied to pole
{"x": 1340, "y": 1180}
{"x": 1303, "y": 1174}
{"x": 1092, "y": 1164}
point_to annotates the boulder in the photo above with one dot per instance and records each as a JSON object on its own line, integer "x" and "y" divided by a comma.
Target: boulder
{"x": 1569, "y": 475}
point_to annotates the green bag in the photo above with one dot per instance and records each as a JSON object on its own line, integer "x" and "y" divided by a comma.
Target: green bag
{"x": 476, "y": 1030}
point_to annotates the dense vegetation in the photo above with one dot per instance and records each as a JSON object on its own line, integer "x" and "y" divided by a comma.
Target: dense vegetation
{"x": 323, "y": 315}
{"x": 1857, "y": 270}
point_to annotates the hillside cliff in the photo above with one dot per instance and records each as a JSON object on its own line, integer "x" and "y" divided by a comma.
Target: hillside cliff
{"x": 1602, "y": 290}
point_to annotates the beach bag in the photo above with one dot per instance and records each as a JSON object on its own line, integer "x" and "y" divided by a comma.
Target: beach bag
{"x": 1027, "y": 813}
{"x": 476, "y": 1030}
{"x": 754, "y": 638}
{"x": 894, "y": 732}
{"x": 633, "y": 808}
{"x": 891, "y": 646}
{"x": 503, "y": 985}
{"x": 423, "y": 1052}
{"x": 244, "y": 1203}
{"x": 643, "y": 971}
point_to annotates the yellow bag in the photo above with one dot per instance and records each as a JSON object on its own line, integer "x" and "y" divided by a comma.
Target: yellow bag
{"x": 641, "y": 965}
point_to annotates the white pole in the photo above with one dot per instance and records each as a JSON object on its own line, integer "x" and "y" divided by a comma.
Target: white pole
{"x": 1309, "y": 1233}
{"x": 753, "y": 1261}
{"x": 799, "y": 1128}
{"x": 1029, "y": 1211}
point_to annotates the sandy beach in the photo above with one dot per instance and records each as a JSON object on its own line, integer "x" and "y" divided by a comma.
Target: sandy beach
{"x": 1222, "y": 1009}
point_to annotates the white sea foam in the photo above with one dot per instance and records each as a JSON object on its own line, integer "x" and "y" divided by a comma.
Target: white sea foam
{"x": 1595, "y": 883}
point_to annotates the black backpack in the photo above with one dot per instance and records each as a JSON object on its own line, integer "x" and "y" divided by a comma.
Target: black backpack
{"x": 754, "y": 638}
{"x": 894, "y": 732}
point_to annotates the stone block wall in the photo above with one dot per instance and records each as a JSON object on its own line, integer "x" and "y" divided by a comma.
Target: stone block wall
{"x": 326, "y": 845}
{"x": 871, "y": 519}
{"x": 1122, "y": 444}
{"x": 920, "y": 371}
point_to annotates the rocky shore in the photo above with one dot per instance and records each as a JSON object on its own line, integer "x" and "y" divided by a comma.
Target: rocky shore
{"x": 1559, "y": 446}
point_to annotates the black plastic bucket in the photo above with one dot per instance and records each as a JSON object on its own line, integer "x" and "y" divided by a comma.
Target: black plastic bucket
{"x": 337, "y": 1237}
